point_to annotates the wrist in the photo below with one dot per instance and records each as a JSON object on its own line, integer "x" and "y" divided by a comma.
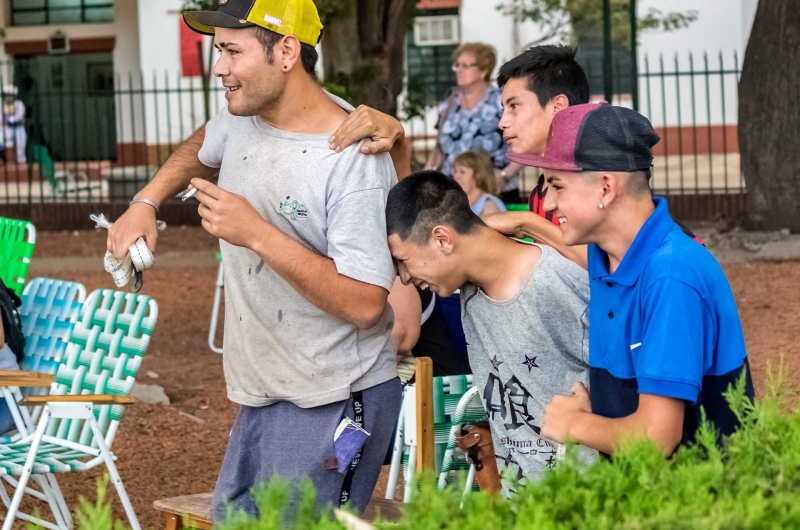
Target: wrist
{"x": 258, "y": 240}
{"x": 576, "y": 426}
{"x": 145, "y": 201}
{"x": 399, "y": 143}
{"x": 400, "y": 136}
{"x": 142, "y": 207}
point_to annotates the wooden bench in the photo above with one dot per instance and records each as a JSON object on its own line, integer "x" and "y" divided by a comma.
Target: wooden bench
{"x": 194, "y": 511}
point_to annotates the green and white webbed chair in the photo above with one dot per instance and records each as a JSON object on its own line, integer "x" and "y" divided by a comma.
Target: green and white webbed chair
{"x": 48, "y": 313}
{"x": 433, "y": 411}
{"x": 81, "y": 415}
{"x": 17, "y": 240}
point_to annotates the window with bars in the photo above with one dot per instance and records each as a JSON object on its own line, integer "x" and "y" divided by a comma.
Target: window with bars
{"x": 430, "y": 72}
{"x": 45, "y": 12}
{"x": 436, "y": 30}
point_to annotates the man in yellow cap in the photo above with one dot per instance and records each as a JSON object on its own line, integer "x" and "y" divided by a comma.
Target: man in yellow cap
{"x": 307, "y": 267}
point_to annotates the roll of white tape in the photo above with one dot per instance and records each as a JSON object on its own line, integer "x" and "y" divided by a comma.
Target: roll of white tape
{"x": 138, "y": 259}
{"x": 141, "y": 256}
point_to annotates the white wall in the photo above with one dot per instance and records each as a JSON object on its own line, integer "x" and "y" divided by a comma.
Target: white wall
{"x": 482, "y": 22}
{"x": 159, "y": 42}
{"x": 718, "y": 28}
{"x": 159, "y": 37}
{"x": 748, "y": 14}
{"x": 721, "y": 28}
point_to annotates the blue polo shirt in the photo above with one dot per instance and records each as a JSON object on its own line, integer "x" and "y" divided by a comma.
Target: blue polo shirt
{"x": 665, "y": 323}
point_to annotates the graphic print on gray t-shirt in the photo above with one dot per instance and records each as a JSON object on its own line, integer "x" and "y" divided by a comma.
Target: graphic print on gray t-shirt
{"x": 278, "y": 346}
{"x": 524, "y": 351}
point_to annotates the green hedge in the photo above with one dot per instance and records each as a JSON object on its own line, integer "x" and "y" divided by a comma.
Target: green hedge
{"x": 753, "y": 481}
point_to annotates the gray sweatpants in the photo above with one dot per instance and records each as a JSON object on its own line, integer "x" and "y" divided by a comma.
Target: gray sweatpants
{"x": 286, "y": 440}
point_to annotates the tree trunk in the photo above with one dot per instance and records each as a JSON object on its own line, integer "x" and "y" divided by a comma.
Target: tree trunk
{"x": 362, "y": 51}
{"x": 769, "y": 117}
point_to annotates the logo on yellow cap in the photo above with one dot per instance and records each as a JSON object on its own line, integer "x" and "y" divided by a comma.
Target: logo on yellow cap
{"x": 269, "y": 19}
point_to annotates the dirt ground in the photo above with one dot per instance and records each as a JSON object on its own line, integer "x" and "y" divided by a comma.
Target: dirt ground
{"x": 165, "y": 451}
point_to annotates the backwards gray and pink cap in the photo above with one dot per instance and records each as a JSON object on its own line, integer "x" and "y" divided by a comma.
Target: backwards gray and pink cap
{"x": 596, "y": 137}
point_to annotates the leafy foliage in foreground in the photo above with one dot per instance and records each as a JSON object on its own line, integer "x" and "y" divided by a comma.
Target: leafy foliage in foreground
{"x": 753, "y": 481}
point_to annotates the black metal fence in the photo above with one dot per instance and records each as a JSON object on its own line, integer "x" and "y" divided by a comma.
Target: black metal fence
{"x": 92, "y": 136}
{"x": 693, "y": 104}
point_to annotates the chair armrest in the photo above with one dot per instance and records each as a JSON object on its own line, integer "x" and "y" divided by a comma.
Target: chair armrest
{"x": 97, "y": 399}
{"x": 26, "y": 379}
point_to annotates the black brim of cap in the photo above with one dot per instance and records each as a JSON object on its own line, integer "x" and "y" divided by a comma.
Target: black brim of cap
{"x": 205, "y": 21}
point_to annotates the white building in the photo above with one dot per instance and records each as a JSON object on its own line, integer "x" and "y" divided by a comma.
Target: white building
{"x": 687, "y": 85}
{"x": 135, "y": 47}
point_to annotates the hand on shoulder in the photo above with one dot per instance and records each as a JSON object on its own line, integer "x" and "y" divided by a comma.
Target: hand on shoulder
{"x": 364, "y": 122}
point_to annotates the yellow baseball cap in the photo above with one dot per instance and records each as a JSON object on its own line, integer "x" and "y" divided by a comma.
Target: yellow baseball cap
{"x": 286, "y": 17}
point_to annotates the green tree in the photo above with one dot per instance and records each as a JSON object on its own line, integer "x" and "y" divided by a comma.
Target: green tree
{"x": 565, "y": 19}
{"x": 363, "y": 49}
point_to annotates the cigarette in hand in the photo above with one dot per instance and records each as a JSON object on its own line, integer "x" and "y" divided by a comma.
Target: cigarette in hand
{"x": 189, "y": 195}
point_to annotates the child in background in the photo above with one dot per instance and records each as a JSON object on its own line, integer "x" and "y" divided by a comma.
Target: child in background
{"x": 14, "y": 124}
{"x": 475, "y": 173}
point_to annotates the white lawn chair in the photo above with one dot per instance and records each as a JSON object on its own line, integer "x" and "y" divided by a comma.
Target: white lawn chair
{"x": 82, "y": 412}
{"x": 48, "y": 312}
{"x": 433, "y": 409}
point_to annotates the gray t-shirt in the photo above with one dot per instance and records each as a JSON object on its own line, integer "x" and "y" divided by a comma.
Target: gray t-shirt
{"x": 524, "y": 351}
{"x": 278, "y": 346}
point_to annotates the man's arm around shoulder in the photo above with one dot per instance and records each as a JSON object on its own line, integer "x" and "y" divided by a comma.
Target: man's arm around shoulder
{"x": 530, "y": 224}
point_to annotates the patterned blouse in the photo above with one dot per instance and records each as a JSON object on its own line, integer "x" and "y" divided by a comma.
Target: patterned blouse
{"x": 469, "y": 130}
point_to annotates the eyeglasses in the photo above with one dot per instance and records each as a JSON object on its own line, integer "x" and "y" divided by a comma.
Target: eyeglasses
{"x": 459, "y": 66}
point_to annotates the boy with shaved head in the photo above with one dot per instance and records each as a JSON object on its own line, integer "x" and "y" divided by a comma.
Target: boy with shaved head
{"x": 522, "y": 352}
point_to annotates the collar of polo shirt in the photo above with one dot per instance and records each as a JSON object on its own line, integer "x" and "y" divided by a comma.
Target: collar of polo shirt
{"x": 645, "y": 244}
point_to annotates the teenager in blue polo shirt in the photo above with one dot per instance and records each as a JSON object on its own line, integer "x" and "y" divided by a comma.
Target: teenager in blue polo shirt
{"x": 665, "y": 335}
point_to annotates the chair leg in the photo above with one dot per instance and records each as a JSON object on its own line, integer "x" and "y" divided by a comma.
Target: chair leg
{"x": 397, "y": 457}
{"x": 62, "y": 504}
{"x": 20, "y": 420}
{"x": 409, "y": 476}
{"x": 4, "y": 495}
{"x": 470, "y": 479}
{"x": 112, "y": 471}
{"x": 174, "y": 522}
{"x": 28, "y": 490}
{"x": 51, "y": 501}
{"x": 26, "y": 471}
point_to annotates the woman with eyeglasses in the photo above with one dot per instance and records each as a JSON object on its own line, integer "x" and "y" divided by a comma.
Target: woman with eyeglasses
{"x": 469, "y": 118}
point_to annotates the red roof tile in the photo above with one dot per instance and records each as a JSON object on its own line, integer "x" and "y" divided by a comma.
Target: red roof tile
{"x": 438, "y": 4}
